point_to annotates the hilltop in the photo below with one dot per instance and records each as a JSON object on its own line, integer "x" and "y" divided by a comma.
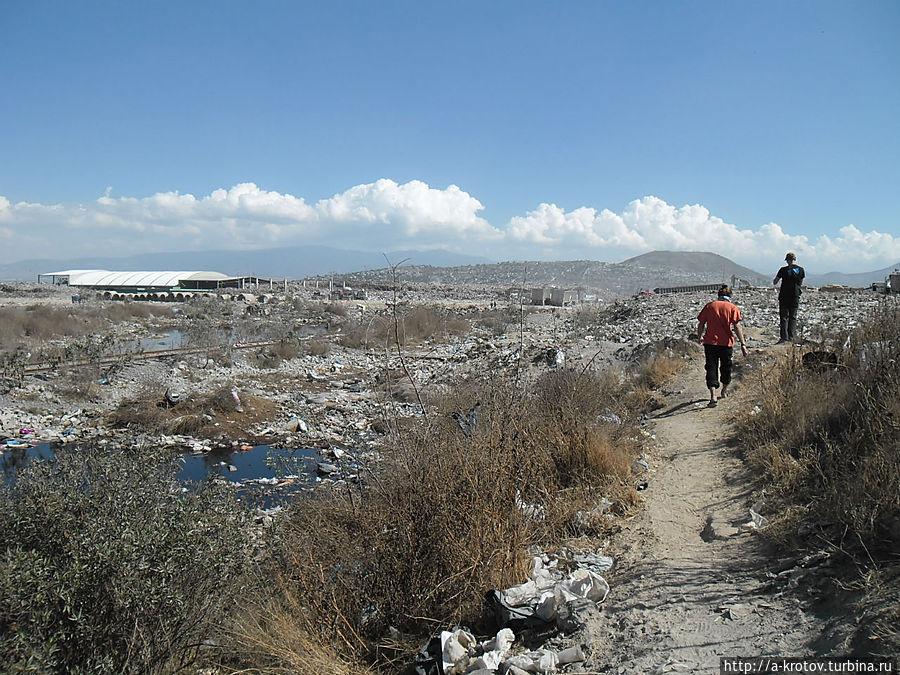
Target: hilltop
{"x": 692, "y": 262}
{"x": 645, "y": 272}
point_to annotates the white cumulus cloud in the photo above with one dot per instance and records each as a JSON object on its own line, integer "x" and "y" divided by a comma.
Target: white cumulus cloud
{"x": 650, "y": 224}
{"x": 386, "y": 215}
{"x": 383, "y": 215}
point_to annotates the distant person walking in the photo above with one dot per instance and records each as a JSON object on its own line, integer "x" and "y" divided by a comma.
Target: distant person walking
{"x": 791, "y": 276}
{"x": 714, "y": 331}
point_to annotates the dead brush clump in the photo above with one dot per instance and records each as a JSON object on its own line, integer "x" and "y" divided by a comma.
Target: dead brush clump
{"x": 317, "y": 348}
{"x": 80, "y": 383}
{"x": 657, "y": 370}
{"x": 335, "y": 309}
{"x": 272, "y": 356}
{"x": 204, "y": 415}
{"x": 574, "y": 412}
{"x": 651, "y": 374}
{"x": 454, "y": 507}
{"x": 117, "y": 312}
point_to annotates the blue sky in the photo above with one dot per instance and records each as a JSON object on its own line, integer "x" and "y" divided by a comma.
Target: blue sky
{"x": 513, "y": 130}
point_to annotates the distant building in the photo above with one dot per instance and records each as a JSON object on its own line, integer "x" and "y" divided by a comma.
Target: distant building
{"x": 158, "y": 286}
{"x": 540, "y": 296}
{"x": 892, "y": 283}
{"x": 105, "y": 280}
{"x": 561, "y": 298}
{"x": 557, "y": 297}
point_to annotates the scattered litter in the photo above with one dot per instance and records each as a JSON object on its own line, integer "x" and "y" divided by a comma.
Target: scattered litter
{"x": 735, "y": 612}
{"x": 237, "y": 401}
{"x": 594, "y": 517}
{"x": 534, "y": 511}
{"x": 756, "y": 522}
{"x": 467, "y": 420}
{"x": 640, "y": 466}
{"x": 611, "y": 417}
{"x": 819, "y": 360}
{"x": 326, "y": 468}
{"x": 548, "y": 588}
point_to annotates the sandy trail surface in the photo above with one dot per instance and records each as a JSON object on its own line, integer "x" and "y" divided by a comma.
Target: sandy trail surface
{"x": 692, "y": 586}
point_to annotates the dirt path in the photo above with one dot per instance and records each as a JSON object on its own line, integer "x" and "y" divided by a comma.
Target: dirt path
{"x": 692, "y": 585}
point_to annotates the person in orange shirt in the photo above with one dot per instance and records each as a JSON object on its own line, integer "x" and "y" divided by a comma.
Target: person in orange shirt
{"x": 714, "y": 332}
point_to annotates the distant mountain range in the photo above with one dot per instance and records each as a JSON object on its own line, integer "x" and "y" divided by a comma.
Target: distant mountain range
{"x": 643, "y": 272}
{"x": 293, "y": 262}
{"x": 856, "y": 280}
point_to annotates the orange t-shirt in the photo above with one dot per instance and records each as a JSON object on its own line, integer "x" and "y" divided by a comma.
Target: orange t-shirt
{"x": 718, "y": 316}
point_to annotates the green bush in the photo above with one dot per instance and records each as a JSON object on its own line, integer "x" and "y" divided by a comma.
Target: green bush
{"x": 107, "y": 567}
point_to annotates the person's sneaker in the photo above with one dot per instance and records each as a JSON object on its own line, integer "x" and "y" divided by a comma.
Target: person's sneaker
{"x": 781, "y": 341}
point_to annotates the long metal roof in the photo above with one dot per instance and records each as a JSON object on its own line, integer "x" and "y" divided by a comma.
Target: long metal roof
{"x": 134, "y": 279}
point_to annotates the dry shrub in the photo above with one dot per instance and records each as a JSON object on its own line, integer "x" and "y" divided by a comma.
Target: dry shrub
{"x": 272, "y": 356}
{"x": 413, "y": 325}
{"x": 202, "y": 415}
{"x": 335, "y": 308}
{"x": 496, "y": 321}
{"x": 879, "y": 611}
{"x": 827, "y": 440}
{"x": 318, "y": 348}
{"x": 80, "y": 383}
{"x": 42, "y": 322}
{"x": 278, "y": 637}
{"x": 828, "y": 434}
{"x": 574, "y": 413}
{"x": 451, "y": 513}
{"x": 116, "y": 312}
{"x": 657, "y": 370}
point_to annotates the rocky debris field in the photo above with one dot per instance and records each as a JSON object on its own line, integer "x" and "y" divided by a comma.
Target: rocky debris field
{"x": 334, "y": 397}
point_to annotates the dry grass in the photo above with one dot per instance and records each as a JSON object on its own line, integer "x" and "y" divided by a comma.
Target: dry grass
{"x": 497, "y": 321}
{"x": 335, "y": 308}
{"x": 42, "y": 322}
{"x": 440, "y": 523}
{"x": 276, "y": 640}
{"x": 826, "y": 441}
{"x": 657, "y": 370}
{"x": 273, "y": 355}
{"x": 414, "y": 325}
{"x": 203, "y": 415}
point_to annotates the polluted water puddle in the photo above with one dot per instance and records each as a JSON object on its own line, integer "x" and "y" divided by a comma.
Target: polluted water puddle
{"x": 261, "y": 472}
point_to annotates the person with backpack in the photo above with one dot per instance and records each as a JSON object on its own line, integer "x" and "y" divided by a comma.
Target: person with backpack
{"x": 791, "y": 276}
{"x": 714, "y": 326}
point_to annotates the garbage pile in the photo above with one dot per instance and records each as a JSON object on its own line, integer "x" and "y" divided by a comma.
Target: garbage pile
{"x": 561, "y": 592}
{"x": 457, "y": 652}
